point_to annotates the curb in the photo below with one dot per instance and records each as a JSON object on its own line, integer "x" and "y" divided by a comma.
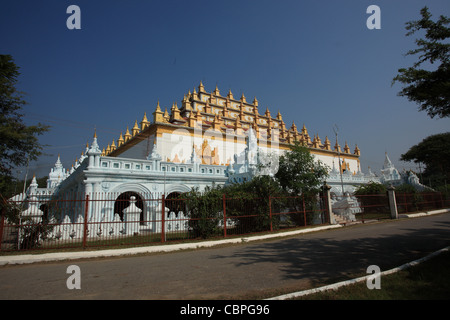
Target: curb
{"x": 335, "y": 286}
{"x": 61, "y": 256}
{"x": 422, "y": 214}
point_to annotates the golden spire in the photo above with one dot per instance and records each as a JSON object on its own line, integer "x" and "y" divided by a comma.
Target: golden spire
{"x": 327, "y": 144}
{"x": 346, "y": 148}
{"x": 230, "y": 95}
{"x": 279, "y": 116}
{"x": 294, "y": 127}
{"x": 304, "y": 131}
{"x": 267, "y": 114}
{"x": 243, "y": 99}
{"x": 216, "y": 91}
{"x": 175, "y": 112}
{"x": 120, "y": 141}
{"x": 255, "y": 102}
{"x": 357, "y": 151}
{"x": 113, "y": 146}
{"x": 135, "y": 129}
{"x": 144, "y": 123}
{"x": 166, "y": 116}
{"x": 337, "y": 147}
{"x": 158, "y": 114}
{"x": 127, "y": 135}
{"x": 201, "y": 88}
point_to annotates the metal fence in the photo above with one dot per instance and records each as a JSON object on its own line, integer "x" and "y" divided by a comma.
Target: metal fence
{"x": 129, "y": 219}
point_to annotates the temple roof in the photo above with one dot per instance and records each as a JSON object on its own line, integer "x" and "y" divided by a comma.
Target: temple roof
{"x": 200, "y": 109}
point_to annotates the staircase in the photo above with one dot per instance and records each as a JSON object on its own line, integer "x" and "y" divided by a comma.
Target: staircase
{"x": 342, "y": 220}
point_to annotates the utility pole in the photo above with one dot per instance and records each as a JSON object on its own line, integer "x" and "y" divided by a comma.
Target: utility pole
{"x": 336, "y": 130}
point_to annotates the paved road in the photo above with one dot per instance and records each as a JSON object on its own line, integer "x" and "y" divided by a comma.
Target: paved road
{"x": 294, "y": 264}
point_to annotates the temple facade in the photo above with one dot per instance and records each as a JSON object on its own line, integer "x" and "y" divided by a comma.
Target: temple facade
{"x": 209, "y": 139}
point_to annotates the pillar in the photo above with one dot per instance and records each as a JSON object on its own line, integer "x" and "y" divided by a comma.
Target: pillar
{"x": 392, "y": 202}
{"x": 327, "y": 200}
{"x": 131, "y": 217}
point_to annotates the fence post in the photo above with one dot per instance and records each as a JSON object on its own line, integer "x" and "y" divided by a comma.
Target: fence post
{"x": 85, "y": 222}
{"x": 270, "y": 212}
{"x": 2, "y": 225}
{"x": 163, "y": 217}
{"x": 392, "y": 202}
{"x": 224, "y": 216}
{"x": 327, "y": 199}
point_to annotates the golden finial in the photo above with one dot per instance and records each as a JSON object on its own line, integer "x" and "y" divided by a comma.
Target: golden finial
{"x": 135, "y": 129}
{"x": 201, "y": 88}
{"x": 144, "y": 123}
{"x": 127, "y": 135}
{"x": 230, "y": 95}
{"x": 120, "y": 141}
{"x": 255, "y": 102}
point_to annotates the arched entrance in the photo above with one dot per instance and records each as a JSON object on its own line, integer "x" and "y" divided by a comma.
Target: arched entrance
{"x": 123, "y": 201}
{"x": 175, "y": 203}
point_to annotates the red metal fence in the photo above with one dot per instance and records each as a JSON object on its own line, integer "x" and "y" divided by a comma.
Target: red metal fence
{"x": 130, "y": 219}
{"x": 100, "y": 220}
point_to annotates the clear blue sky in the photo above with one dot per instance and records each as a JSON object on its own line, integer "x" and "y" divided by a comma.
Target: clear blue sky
{"x": 314, "y": 61}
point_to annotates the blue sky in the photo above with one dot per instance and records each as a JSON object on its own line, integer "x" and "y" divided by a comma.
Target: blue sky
{"x": 314, "y": 61}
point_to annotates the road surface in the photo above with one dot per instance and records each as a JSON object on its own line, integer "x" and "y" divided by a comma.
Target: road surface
{"x": 235, "y": 271}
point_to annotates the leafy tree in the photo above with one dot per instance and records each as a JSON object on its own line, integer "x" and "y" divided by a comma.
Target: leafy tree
{"x": 204, "y": 211}
{"x": 434, "y": 152}
{"x": 18, "y": 142}
{"x": 299, "y": 173}
{"x": 429, "y": 89}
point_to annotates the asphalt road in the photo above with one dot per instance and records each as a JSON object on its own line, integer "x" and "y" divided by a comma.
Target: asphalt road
{"x": 243, "y": 270}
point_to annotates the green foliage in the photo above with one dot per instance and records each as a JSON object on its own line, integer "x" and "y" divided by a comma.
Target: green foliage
{"x": 299, "y": 173}
{"x": 370, "y": 188}
{"x": 429, "y": 89}
{"x": 252, "y": 198}
{"x": 204, "y": 211}
{"x": 434, "y": 152}
{"x": 31, "y": 233}
{"x": 18, "y": 142}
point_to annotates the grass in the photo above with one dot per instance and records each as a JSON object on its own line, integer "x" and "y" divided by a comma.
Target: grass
{"x": 427, "y": 281}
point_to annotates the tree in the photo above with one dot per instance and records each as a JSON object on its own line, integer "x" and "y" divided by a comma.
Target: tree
{"x": 429, "y": 89}
{"x": 18, "y": 142}
{"x": 434, "y": 152}
{"x": 299, "y": 173}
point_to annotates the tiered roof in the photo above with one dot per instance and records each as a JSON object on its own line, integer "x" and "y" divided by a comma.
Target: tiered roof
{"x": 204, "y": 110}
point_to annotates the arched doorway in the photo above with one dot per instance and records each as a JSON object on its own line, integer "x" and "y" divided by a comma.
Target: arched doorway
{"x": 174, "y": 203}
{"x": 123, "y": 201}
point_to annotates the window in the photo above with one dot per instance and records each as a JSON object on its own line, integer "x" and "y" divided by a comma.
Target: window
{"x": 138, "y": 167}
{"x": 105, "y": 164}
{"x": 115, "y": 165}
{"x": 127, "y": 166}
